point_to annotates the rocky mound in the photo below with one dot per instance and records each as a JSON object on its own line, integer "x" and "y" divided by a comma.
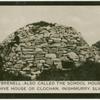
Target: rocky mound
{"x": 43, "y": 46}
{"x": 96, "y": 48}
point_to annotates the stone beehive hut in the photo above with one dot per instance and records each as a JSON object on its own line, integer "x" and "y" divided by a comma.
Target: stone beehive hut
{"x": 43, "y": 45}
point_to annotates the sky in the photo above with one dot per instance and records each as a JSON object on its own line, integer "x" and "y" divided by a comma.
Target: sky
{"x": 85, "y": 19}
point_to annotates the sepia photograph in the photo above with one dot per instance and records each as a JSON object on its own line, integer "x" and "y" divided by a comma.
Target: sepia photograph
{"x": 49, "y": 48}
{"x": 50, "y": 43}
